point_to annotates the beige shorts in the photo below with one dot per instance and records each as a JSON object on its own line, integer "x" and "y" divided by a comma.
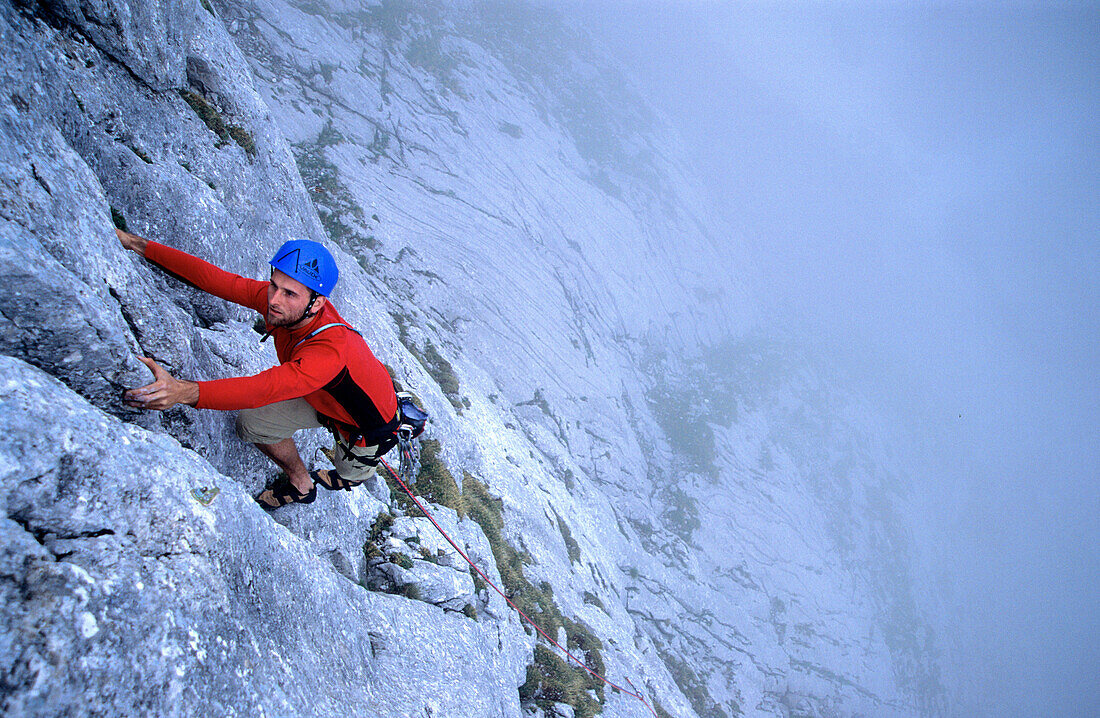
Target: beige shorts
{"x": 272, "y": 423}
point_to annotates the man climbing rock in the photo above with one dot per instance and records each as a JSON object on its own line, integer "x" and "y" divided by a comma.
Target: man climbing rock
{"x": 327, "y": 375}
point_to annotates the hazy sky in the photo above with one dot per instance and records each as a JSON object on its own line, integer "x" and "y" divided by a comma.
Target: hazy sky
{"x": 921, "y": 186}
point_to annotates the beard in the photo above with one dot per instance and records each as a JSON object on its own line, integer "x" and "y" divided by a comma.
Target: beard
{"x": 282, "y": 320}
{"x": 288, "y": 320}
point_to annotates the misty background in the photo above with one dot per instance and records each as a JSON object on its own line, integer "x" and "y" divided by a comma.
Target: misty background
{"x": 918, "y": 186}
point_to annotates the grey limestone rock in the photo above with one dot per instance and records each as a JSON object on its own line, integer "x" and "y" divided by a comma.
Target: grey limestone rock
{"x": 417, "y": 560}
{"x": 562, "y": 710}
{"x": 123, "y": 595}
{"x": 148, "y": 37}
{"x": 87, "y": 146}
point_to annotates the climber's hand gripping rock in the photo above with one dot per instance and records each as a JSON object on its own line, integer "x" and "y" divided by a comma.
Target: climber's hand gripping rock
{"x": 165, "y": 392}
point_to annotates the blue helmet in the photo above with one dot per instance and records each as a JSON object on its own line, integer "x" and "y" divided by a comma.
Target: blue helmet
{"x": 308, "y": 262}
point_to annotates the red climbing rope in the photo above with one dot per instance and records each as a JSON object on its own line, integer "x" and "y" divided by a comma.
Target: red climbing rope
{"x": 487, "y": 580}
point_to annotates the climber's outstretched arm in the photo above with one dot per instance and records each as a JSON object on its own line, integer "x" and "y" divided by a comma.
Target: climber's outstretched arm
{"x": 234, "y": 288}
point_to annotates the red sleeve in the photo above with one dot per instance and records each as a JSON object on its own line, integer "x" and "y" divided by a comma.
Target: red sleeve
{"x": 311, "y": 369}
{"x": 226, "y": 285}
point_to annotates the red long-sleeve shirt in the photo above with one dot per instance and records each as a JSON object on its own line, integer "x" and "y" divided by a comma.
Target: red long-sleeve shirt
{"x": 335, "y": 370}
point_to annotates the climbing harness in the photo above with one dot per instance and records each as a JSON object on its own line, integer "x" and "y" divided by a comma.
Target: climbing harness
{"x": 404, "y": 487}
{"x": 408, "y": 423}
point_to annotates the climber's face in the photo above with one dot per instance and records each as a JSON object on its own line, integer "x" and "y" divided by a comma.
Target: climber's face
{"x": 288, "y": 300}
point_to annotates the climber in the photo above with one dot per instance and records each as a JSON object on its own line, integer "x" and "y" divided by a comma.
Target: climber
{"x": 327, "y": 374}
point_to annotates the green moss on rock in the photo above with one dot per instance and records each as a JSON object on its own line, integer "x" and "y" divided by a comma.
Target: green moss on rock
{"x": 217, "y": 124}
{"x": 435, "y": 482}
{"x": 118, "y": 219}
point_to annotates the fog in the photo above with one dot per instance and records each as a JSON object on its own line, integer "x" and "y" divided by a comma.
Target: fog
{"x": 920, "y": 190}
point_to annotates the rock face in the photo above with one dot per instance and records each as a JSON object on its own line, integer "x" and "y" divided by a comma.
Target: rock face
{"x": 692, "y": 506}
{"x": 149, "y": 38}
{"x": 122, "y": 595}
